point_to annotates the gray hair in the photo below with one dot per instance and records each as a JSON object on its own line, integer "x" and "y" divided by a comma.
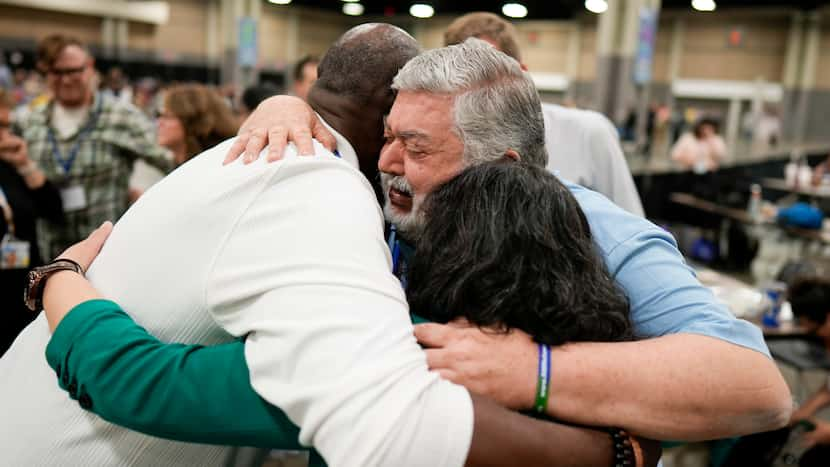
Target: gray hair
{"x": 496, "y": 104}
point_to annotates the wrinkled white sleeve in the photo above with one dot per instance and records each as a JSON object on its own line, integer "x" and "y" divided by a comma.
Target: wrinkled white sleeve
{"x": 305, "y": 275}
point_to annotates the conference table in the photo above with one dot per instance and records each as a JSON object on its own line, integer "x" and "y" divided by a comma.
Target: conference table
{"x": 780, "y": 184}
{"x": 740, "y": 215}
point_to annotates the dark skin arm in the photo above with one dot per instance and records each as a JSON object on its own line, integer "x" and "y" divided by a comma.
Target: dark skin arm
{"x": 502, "y": 437}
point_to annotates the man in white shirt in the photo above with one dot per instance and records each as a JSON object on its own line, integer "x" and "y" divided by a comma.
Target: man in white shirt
{"x": 292, "y": 257}
{"x": 583, "y": 146}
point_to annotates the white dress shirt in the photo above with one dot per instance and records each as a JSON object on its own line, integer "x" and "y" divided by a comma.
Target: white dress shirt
{"x": 583, "y": 147}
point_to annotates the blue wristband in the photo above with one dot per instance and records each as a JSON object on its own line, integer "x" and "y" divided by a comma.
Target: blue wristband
{"x": 543, "y": 381}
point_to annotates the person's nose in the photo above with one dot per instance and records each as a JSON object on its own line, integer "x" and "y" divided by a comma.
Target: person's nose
{"x": 391, "y": 159}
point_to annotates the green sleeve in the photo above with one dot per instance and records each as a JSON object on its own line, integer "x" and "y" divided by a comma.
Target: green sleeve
{"x": 192, "y": 393}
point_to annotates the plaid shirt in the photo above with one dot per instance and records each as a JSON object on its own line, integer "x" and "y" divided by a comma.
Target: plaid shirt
{"x": 106, "y": 145}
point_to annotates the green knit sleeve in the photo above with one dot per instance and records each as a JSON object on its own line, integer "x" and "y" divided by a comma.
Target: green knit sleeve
{"x": 191, "y": 393}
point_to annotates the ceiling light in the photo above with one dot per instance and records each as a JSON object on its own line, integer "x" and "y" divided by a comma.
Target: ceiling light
{"x": 421, "y": 10}
{"x": 353, "y": 9}
{"x": 280, "y": 2}
{"x": 596, "y": 6}
{"x": 704, "y": 5}
{"x": 351, "y": 1}
{"x": 514, "y": 10}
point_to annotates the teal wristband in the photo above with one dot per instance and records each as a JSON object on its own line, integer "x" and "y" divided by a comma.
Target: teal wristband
{"x": 543, "y": 380}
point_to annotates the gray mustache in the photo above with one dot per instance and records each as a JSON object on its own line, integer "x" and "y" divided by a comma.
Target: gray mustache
{"x": 397, "y": 182}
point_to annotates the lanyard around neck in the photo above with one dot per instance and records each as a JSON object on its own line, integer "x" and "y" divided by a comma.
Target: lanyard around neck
{"x": 395, "y": 248}
{"x": 67, "y": 162}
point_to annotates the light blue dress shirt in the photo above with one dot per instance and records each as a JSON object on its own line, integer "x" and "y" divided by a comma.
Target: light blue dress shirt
{"x": 664, "y": 293}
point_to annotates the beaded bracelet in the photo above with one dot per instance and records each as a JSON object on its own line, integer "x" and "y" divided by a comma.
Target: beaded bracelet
{"x": 627, "y": 451}
{"x": 543, "y": 381}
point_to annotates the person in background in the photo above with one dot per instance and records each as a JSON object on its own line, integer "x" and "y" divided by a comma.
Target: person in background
{"x": 116, "y": 86}
{"x": 193, "y": 118}
{"x": 25, "y": 194}
{"x": 5, "y": 72}
{"x": 305, "y": 74}
{"x": 820, "y": 170}
{"x": 768, "y": 128}
{"x": 145, "y": 96}
{"x": 809, "y": 296}
{"x": 253, "y": 95}
{"x": 810, "y": 300}
{"x": 28, "y": 94}
{"x": 582, "y": 146}
{"x": 702, "y": 150}
{"x": 18, "y": 91}
{"x": 86, "y": 144}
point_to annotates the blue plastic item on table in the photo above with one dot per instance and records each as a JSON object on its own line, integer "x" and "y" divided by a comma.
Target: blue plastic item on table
{"x": 801, "y": 215}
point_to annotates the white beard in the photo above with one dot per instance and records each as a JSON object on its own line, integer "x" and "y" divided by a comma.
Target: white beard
{"x": 408, "y": 224}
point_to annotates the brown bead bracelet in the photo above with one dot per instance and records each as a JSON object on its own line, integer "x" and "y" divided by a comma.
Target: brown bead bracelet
{"x": 627, "y": 452}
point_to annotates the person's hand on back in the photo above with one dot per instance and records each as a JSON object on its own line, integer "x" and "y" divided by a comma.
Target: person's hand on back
{"x": 501, "y": 366}
{"x": 85, "y": 251}
{"x": 277, "y": 121}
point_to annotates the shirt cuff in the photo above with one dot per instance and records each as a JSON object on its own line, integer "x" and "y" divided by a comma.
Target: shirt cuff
{"x": 77, "y": 322}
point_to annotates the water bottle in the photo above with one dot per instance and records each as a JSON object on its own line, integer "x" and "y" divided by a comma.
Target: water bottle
{"x": 775, "y": 294}
{"x": 754, "y": 206}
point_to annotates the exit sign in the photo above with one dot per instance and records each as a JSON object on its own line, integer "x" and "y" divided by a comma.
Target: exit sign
{"x": 735, "y": 37}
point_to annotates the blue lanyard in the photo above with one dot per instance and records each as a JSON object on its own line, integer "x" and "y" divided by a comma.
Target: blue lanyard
{"x": 67, "y": 163}
{"x": 395, "y": 248}
{"x": 400, "y": 256}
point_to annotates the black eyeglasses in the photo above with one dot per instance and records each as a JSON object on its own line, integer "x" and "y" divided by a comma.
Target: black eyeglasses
{"x": 61, "y": 72}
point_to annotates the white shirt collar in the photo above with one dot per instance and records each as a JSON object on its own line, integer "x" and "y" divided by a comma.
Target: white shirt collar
{"x": 344, "y": 148}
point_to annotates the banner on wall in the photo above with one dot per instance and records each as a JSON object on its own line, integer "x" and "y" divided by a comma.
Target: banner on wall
{"x": 645, "y": 45}
{"x": 246, "y": 52}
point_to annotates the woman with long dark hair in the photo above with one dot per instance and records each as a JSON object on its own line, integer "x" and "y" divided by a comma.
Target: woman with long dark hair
{"x": 506, "y": 245}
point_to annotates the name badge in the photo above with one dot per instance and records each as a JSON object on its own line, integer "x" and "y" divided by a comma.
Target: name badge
{"x": 14, "y": 253}
{"x": 74, "y": 198}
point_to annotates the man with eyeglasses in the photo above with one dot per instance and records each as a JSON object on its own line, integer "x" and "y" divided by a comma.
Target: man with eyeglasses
{"x": 85, "y": 143}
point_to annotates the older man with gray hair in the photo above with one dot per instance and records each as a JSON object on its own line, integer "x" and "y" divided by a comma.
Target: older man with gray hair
{"x": 490, "y": 105}
{"x": 441, "y": 111}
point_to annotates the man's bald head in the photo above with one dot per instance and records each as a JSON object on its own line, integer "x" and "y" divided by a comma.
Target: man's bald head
{"x": 488, "y": 27}
{"x": 365, "y": 59}
{"x": 353, "y": 90}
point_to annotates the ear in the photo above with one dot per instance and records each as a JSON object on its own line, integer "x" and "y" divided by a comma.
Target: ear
{"x": 512, "y": 154}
